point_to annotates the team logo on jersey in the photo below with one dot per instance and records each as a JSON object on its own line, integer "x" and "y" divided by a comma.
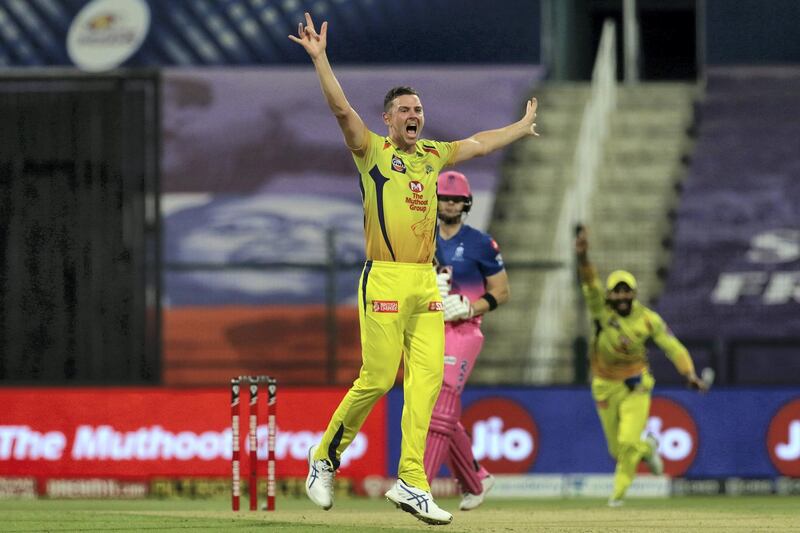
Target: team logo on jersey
{"x": 436, "y": 306}
{"x": 398, "y": 165}
{"x": 416, "y": 186}
{"x": 385, "y": 306}
{"x": 428, "y": 169}
{"x": 458, "y": 255}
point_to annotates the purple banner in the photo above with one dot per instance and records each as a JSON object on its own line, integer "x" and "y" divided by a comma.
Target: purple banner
{"x": 736, "y": 262}
{"x": 270, "y": 130}
{"x": 255, "y": 170}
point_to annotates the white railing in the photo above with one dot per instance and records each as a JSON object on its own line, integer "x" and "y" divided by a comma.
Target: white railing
{"x": 548, "y": 331}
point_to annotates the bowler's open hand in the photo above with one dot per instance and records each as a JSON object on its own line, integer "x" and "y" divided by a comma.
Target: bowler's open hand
{"x": 307, "y": 37}
{"x": 530, "y": 116}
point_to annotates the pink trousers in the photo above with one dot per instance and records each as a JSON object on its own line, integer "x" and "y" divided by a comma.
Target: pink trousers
{"x": 447, "y": 438}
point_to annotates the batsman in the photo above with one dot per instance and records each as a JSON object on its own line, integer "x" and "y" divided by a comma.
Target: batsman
{"x": 472, "y": 281}
{"x": 621, "y": 380}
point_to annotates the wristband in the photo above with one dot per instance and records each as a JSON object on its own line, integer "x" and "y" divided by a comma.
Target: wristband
{"x": 491, "y": 299}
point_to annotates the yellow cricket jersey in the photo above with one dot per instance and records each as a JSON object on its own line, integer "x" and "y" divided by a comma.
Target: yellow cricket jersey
{"x": 618, "y": 347}
{"x": 399, "y": 195}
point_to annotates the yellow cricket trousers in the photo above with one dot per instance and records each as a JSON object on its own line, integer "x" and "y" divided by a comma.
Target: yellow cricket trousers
{"x": 400, "y": 315}
{"x": 623, "y": 414}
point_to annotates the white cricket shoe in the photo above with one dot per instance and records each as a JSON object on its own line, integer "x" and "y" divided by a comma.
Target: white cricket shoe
{"x": 654, "y": 462}
{"x": 615, "y": 503}
{"x": 419, "y": 503}
{"x": 319, "y": 483}
{"x": 471, "y": 501}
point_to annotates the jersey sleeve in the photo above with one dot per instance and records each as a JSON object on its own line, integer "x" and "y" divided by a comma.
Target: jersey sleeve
{"x": 592, "y": 292}
{"x": 372, "y": 144}
{"x": 490, "y": 260}
{"x": 667, "y": 341}
{"x": 447, "y": 152}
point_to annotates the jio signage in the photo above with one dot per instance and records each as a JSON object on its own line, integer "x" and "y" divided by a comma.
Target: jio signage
{"x": 504, "y": 435}
{"x": 749, "y": 433}
{"x": 783, "y": 439}
{"x": 676, "y": 432}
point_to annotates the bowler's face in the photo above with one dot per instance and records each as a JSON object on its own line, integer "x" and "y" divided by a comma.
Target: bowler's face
{"x": 405, "y": 120}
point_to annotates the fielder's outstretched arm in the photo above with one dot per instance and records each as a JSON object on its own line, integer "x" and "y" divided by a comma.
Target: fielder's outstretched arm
{"x": 353, "y": 128}
{"x": 486, "y": 142}
{"x": 677, "y": 353}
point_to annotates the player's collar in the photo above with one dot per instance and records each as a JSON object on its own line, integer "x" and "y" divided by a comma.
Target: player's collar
{"x": 456, "y": 234}
{"x": 417, "y": 149}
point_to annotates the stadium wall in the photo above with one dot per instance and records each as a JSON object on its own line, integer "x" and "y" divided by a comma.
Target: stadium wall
{"x": 139, "y": 436}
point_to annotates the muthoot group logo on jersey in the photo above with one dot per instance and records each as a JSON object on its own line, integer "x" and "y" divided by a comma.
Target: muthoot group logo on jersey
{"x": 105, "y": 33}
{"x": 676, "y": 432}
{"x": 505, "y": 437}
{"x": 783, "y": 439}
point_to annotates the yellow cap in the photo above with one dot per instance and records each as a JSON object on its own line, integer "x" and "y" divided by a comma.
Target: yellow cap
{"x": 620, "y": 276}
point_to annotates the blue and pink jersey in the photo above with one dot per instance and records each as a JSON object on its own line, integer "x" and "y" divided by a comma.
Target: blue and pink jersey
{"x": 474, "y": 256}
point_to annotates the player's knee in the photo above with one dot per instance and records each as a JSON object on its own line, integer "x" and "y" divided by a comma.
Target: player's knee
{"x": 373, "y": 385}
{"x": 625, "y": 448}
{"x": 384, "y": 384}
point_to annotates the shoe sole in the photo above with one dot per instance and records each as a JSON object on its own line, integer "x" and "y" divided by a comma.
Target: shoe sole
{"x": 307, "y": 492}
{"x": 409, "y": 509}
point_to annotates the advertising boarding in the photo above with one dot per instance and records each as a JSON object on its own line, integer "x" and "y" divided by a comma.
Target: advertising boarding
{"x": 109, "y": 435}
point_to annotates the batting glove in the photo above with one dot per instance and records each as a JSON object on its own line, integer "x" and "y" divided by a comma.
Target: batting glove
{"x": 456, "y": 307}
{"x": 444, "y": 280}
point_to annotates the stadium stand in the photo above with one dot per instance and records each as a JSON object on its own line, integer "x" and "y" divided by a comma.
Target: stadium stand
{"x": 732, "y": 285}
{"x": 636, "y": 188}
{"x": 535, "y": 176}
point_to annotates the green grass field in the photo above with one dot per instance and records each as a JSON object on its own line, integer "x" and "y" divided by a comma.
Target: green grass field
{"x": 685, "y": 514}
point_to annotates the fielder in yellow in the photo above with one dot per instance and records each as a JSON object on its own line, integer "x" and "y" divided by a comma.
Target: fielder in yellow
{"x": 621, "y": 381}
{"x": 400, "y": 308}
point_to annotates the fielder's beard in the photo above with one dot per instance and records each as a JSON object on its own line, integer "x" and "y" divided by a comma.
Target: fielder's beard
{"x": 617, "y": 306}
